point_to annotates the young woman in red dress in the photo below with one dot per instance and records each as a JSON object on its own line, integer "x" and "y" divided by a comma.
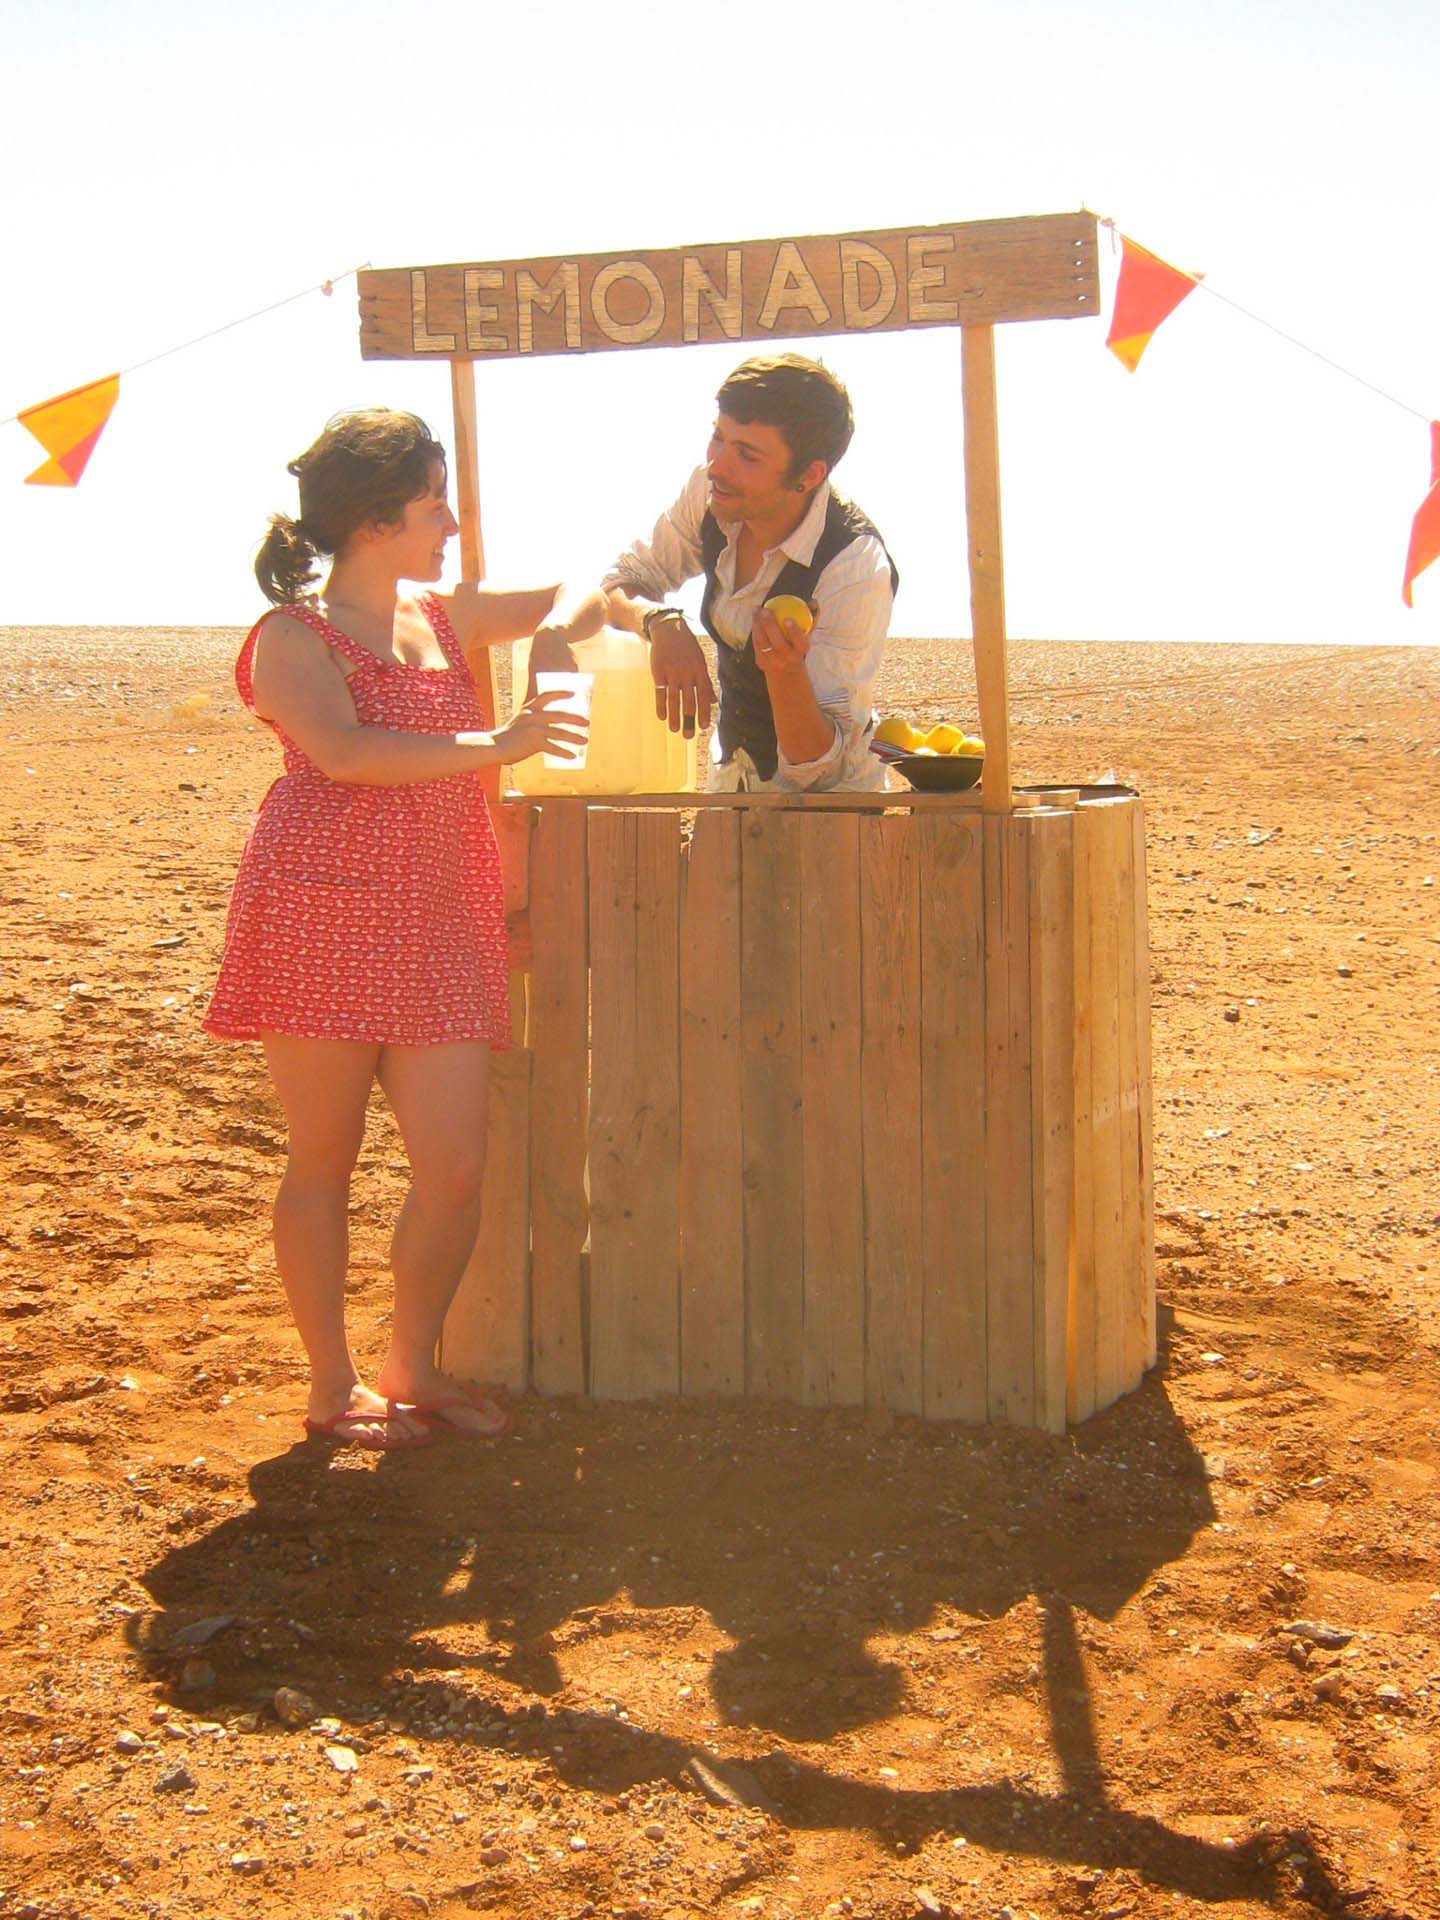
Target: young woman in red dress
{"x": 366, "y": 936}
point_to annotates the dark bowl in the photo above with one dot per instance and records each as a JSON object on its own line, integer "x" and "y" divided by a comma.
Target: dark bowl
{"x": 941, "y": 772}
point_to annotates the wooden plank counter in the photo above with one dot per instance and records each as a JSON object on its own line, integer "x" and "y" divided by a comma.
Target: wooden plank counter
{"x": 841, "y": 1100}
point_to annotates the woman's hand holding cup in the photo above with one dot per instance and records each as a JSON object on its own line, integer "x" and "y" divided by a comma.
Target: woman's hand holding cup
{"x": 555, "y": 722}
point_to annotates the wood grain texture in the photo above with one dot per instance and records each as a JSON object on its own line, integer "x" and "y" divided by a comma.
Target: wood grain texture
{"x": 487, "y": 1330}
{"x": 634, "y": 1105}
{"x": 983, "y": 272}
{"x": 899, "y": 801}
{"x": 1080, "y": 1343}
{"x": 655, "y": 1281}
{"x": 712, "y": 1236}
{"x": 952, "y": 1115}
{"x": 615, "y": 1372}
{"x": 833, "y": 1370}
{"x": 1052, "y": 1099}
{"x": 513, "y": 821}
{"x": 560, "y": 1095}
{"x": 771, "y": 1087}
{"x": 1106, "y": 816}
{"x": 987, "y": 561}
{"x": 890, "y": 986}
{"x": 1134, "y": 1331}
{"x": 1147, "y": 1086}
{"x": 1009, "y": 1242}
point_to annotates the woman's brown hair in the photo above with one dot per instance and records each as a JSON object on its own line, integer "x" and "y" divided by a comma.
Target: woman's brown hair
{"x": 364, "y": 470}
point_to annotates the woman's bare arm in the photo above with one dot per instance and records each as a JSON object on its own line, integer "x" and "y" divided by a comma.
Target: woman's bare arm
{"x": 298, "y": 685}
{"x": 487, "y": 617}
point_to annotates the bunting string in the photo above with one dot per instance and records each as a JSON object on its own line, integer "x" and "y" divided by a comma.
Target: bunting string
{"x": 1290, "y": 338}
{"x": 321, "y": 286}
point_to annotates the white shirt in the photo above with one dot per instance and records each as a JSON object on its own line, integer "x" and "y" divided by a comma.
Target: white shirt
{"x": 852, "y": 597}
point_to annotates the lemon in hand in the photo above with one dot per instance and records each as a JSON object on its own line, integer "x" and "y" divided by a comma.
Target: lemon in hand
{"x": 789, "y": 606}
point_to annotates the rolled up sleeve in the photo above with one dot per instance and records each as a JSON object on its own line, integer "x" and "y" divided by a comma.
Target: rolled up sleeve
{"x": 672, "y": 555}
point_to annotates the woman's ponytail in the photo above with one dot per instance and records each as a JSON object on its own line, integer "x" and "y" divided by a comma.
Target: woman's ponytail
{"x": 284, "y": 565}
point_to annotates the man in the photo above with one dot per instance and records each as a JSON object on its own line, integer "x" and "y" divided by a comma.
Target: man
{"x": 759, "y": 519}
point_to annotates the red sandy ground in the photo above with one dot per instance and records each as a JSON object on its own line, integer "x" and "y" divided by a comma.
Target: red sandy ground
{"x": 929, "y": 1669}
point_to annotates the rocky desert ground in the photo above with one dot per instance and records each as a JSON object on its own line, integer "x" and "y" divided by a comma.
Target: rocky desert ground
{"x": 689, "y": 1660}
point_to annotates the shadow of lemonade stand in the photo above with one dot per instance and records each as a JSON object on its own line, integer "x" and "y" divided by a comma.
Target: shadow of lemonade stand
{"x": 835, "y": 1099}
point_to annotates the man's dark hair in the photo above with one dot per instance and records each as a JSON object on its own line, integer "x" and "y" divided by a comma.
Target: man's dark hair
{"x": 800, "y": 398}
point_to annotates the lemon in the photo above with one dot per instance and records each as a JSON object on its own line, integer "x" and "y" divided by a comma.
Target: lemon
{"x": 789, "y": 606}
{"x": 896, "y": 731}
{"x": 972, "y": 743}
{"x": 944, "y": 738}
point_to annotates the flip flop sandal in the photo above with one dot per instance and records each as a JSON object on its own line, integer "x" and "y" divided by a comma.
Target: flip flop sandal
{"x": 498, "y": 1421}
{"x": 334, "y": 1432}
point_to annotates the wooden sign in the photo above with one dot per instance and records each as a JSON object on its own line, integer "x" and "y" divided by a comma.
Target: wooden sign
{"x": 981, "y": 273}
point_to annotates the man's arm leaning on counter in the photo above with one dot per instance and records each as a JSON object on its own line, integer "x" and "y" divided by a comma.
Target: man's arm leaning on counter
{"x": 636, "y": 587}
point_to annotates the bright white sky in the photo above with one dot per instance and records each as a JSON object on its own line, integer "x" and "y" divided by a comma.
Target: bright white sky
{"x": 175, "y": 164}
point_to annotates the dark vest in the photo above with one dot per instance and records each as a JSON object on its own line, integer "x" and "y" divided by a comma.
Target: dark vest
{"x": 744, "y": 718}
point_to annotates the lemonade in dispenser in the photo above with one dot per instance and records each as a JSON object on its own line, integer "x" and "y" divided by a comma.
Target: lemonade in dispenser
{"x": 629, "y": 750}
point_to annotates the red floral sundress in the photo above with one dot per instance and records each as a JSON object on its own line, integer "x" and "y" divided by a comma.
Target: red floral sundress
{"x": 370, "y": 913}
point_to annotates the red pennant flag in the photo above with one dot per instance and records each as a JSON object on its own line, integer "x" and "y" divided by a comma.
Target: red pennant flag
{"x": 1425, "y": 528}
{"x": 1147, "y": 292}
{"x": 68, "y": 427}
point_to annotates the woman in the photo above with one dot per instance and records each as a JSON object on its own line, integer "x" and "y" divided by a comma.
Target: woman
{"x": 366, "y": 935}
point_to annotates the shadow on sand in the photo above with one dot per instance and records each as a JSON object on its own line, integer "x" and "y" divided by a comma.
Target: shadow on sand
{"x": 455, "y": 1577}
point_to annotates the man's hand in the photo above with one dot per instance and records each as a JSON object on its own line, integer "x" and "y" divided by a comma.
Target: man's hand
{"x": 804, "y": 733}
{"x": 684, "y": 696}
{"x": 550, "y": 652}
{"x": 780, "y": 646}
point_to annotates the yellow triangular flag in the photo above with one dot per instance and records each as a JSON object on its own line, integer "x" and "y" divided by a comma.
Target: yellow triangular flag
{"x": 68, "y": 427}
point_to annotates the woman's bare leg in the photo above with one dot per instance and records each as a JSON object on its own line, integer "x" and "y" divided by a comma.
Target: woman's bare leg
{"x": 324, "y": 1086}
{"x": 440, "y": 1097}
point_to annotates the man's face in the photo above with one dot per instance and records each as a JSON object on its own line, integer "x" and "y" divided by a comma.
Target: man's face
{"x": 748, "y": 467}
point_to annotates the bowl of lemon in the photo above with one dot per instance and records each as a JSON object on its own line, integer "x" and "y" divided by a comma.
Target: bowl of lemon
{"x": 938, "y": 759}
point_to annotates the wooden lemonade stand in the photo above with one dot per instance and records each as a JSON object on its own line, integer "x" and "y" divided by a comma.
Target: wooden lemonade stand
{"x": 836, "y": 1099}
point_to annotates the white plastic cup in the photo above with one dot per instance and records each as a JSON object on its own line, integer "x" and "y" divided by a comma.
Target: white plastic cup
{"x": 579, "y": 689}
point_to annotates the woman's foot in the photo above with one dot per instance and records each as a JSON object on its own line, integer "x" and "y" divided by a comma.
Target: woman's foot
{"x": 365, "y": 1419}
{"x": 457, "y": 1406}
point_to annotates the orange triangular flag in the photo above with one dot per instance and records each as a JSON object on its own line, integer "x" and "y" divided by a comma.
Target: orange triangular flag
{"x": 68, "y": 427}
{"x": 1425, "y": 527}
{"x": 1146, "y": 293}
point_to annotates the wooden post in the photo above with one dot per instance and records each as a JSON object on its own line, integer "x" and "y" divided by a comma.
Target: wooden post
{"x": 472, "y": 544}
{"x": 467, "y": 470}
{"x": 987, "y": 565}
